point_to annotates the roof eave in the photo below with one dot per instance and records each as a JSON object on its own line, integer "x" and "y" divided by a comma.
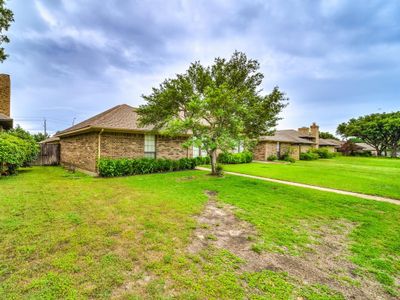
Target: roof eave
{"x": 109, "y": 129}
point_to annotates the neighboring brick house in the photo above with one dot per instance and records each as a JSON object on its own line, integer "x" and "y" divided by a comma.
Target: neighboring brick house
{"x": 5, "y": 102}
{"x": 115, "y": 133}
{"x": 292, "y": 142}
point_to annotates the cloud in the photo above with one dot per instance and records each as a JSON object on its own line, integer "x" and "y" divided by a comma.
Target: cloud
{"x": 335, "y": 59}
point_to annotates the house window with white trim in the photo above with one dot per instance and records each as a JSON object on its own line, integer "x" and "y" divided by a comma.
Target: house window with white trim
{"x": 199, "y": 152}
{"x": 150, "y": 146}
{"x": 196, "y": 151}
{"x": 239, "y": 147}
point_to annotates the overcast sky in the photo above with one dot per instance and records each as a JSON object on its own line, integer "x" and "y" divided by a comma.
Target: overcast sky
{"x": 72, "y": 59}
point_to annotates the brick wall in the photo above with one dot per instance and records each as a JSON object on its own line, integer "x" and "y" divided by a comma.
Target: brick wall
{"x": 271, "y": 149}
{"x": 305, "y": 148}
{"x": 172, "y": 148}
{"x": 330, "y": 148}
{"x": 292, "y": 149}
{"x": 119, "y": 145}
{"x": 259, "y": 151}
{"x": 80, "y": 151}
{"x": 5, "y": 94}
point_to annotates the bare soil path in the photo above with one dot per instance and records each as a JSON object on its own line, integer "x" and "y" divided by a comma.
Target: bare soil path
{"x": 327, "y": 263}
{"x": 319, "y": 188}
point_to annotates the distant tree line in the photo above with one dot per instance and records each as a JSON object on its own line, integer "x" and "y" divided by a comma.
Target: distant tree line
{"x": 380, "y": 130}
{"x": 327, "y": 135}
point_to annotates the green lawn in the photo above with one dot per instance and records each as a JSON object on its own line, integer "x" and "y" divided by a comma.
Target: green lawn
{"x": 375, "y": 176}
{"x": 71, "y": 236}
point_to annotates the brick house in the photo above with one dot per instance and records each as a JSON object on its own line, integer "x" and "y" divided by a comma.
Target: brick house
{"x": 115, "y": 133}
{"x": 6, "y": 122}
{"x": 292, "y": 142}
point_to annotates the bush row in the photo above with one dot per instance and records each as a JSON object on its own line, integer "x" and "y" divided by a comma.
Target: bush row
{"x": 125, "y": 167}
{"x": 284, "y": 157}
{"x": 235, "y": 158}
{"x": 314, "y": 154}
{"x": 15, "y": 152}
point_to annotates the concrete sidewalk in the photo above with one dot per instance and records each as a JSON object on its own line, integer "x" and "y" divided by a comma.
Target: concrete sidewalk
{"x": 359, "y": 195}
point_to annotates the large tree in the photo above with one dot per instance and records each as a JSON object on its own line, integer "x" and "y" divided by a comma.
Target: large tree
{"x": 380, "y": 130}
{"x": 218, "y": 105}
{"x": 392, "y": 128}
{"x": 327, "y": 135}
{"x": 6, "y": 18}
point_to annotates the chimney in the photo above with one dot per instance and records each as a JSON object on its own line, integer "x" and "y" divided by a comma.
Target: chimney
{"x": 314, "y": 129}
{"x": 304, "y": 131}
{"x": 5, "y": 94}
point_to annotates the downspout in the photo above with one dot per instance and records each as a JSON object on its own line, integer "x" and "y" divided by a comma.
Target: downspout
{"x": 99, "y": 147}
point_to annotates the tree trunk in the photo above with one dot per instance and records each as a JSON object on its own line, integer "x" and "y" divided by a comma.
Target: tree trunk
{"x": 394, "y": 151}
{"x": 213, "y": 160}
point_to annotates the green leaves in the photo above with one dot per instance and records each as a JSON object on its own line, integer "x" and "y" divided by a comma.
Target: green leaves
{"x": 125, "y": 167}
{"x": 217, "y": 104}
{"x": 382, "y": 131}
{"x": 6, "y": 18}
{"x": 14, "y": 152}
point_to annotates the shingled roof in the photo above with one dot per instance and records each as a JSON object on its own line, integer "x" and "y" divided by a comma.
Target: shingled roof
{"x": 286, "y": 136}
{"x": 330, "y": 142}
{"x": 119, "y": 118}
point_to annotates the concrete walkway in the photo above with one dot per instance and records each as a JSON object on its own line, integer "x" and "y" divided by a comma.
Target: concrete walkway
{"x": 359, "y": 195}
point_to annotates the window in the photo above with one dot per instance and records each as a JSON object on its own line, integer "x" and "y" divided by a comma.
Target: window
{"x": 239, "y": 147}
{"x": 198, "y": 152}
{"x": 150, "y": 146}
{"x": 203, "y": 153}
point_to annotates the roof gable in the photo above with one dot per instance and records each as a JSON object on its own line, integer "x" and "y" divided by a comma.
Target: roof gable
{"x": 120, "y": 117}
{"x": 288, "y": 136}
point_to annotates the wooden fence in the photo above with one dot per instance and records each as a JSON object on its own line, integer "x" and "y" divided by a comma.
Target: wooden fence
{"x": 49, "y": 155}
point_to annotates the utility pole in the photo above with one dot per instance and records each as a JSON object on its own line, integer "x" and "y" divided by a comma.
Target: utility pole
{"x": 73, "y": 121}
{"x": 45, "y": 126}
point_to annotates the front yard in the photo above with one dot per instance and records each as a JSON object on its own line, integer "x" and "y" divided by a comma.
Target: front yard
{"x": 66, "y": 235}
{"x": 368, "y": 175}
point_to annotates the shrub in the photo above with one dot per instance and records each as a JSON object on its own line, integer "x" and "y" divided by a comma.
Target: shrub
{"x": 14, "y": 153}
{"x": 202, "y": 160}
{"x": 323, "y": 153}
{"x": 272, "y": 157}
{"x": 235, "y": 158}
{"x": 31, "y": 147}
{"x": 289, "y": 159}
{"x": 124, "y": 167}
{"x": 219, "y": 170}
{"x": 309, "y": 156}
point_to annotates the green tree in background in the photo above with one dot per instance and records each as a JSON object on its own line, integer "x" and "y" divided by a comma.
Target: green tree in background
{"x": 6, "y": 18}
{"x": 381, "y": 131}
{"x": 327, "y": 135}
{"x": 219, "y": 105}
{"x": 40, "y": 136}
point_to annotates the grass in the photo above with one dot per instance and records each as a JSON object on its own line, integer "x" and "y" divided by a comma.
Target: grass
{"x": 374, "y": 176}
{"x": 71, "y": 236}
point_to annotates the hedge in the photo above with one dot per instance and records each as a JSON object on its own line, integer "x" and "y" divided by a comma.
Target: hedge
{"x": 235, "y": 158}
{"x": 323, "y": 153}
{"x": 314, "y": 154}
{"x": 308, "y": 156}
{"x": 125, "y": 167}
{"x": 14, "y": 153}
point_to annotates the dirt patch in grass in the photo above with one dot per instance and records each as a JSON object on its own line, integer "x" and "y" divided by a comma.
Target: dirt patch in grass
{"x": 327, "y": 263}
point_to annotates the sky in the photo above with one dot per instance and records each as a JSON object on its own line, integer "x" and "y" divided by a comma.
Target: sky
{"x": 70, "y": 59}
